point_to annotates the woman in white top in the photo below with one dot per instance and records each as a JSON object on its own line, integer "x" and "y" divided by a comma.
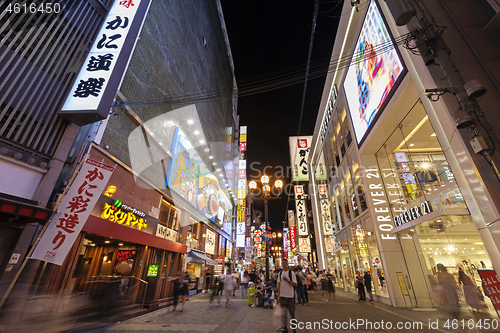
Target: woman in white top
{"x": 245, "y": 278}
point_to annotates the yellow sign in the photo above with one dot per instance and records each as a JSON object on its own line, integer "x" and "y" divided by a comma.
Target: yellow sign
{"x": 243, "y": 138}
{"x": 402, "y": 283}
{"x": 115, "y": 214}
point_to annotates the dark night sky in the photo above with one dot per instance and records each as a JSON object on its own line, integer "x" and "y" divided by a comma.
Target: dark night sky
{"x": 266, "y": 37}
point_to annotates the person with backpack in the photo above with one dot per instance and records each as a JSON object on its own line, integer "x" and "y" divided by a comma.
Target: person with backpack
{"x": 299, "y": 289}
{"x": 286, "y": 297}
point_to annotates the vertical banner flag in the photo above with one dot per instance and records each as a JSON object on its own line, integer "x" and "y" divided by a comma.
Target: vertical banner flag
{"x": 242, "y": 186}
{"x": 326, "y": 219}
{"x": 300, "y": 207}
{"x": 299, "y": 151}
{"x": 73, "y": 212}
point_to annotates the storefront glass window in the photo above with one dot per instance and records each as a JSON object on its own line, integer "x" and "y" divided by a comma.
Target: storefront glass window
{"x": 454, "y": 242}
{"x": 414, "y": 155}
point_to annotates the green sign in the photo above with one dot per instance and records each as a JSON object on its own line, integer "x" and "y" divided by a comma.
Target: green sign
{"x": 152, "y": 271}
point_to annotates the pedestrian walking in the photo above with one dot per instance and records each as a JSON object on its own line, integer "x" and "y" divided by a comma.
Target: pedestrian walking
{"x": 447, "y": 292}
{"x": 208, "y": 279}
{"x": 176, "y": 285}
{"x": 286, "y": 297}
{"x": 229, "y": 283}
{"x": 331, "y": 288}
{"x": 215, "y": 291}
{"x": 236, "y": 278}
{"x": 324, "y": 286}
{"x": 368, "y": 285}
{"x": 361, "y": 288}
{"x": 186, "y": 280}
{"x": 299, "y": 289}
{"x": 245, "y": 278}
{"x": 220, "y": 290}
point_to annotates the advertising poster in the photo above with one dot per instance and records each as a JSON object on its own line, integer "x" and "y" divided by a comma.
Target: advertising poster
{"x": 191, "y": 179}
{"x": 491, "y": 282}
{"x": 125, "y": 259}
{"x": 375, "y": 68}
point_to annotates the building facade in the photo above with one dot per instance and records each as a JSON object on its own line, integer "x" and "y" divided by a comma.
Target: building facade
{"x": 408, "y": 188}
{"x": 170, "y": 135}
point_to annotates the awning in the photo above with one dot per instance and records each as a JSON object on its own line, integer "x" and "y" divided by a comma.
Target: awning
{"x": 199, "y": 256}
{"x": 27, "y": 210}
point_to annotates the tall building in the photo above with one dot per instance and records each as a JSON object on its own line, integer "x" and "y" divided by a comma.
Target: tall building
{"x": 406, "y": 127}
{"x": 170, "y": 140}
{"x": 41, "y": 54}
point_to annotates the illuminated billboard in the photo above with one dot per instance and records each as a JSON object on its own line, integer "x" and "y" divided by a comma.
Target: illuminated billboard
{"x": 190, "y": 178}
{"x": 375, "y": 69}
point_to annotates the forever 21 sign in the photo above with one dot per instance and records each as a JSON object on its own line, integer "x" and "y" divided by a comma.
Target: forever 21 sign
{"x": 413, "y": 213}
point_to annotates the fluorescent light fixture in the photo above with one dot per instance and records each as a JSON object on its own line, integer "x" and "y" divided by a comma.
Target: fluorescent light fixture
{"x": 190, "y": 121}
{"x": 196, "y": 132}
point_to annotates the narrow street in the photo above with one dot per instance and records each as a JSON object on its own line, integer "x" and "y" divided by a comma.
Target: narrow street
{"x": 199, "y": 317}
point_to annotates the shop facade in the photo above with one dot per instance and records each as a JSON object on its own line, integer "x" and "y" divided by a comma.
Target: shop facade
{"x": 403, "y": 190}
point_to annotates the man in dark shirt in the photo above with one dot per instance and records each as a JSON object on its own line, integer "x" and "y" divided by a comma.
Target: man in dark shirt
{"x": 368, "y": 284}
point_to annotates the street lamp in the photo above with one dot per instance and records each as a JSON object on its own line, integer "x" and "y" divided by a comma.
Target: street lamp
{"x": 266, "y": 195}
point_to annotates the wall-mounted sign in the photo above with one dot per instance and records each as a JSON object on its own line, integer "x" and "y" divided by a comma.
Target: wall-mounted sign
{"x": 328, "y": 113}
{"x": 300, "y": 206}
{"x": 73, "y": 212}
{"x": 413, "y": 213}
{"x": 115, "y": 214}
{"x": 210, "y": 242}
{"x": 304, "y": 245}
{"x": 152, "y": 270}
{"x": 402, "y": 283}
{"x": 95, "y": 87}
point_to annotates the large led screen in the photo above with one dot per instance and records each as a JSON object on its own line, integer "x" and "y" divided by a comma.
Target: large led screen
{"x": 191, "y": 179}
{"x": 375, "y": 68}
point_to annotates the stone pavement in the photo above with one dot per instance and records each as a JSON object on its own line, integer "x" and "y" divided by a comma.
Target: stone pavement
{"x": 344, "y": 314}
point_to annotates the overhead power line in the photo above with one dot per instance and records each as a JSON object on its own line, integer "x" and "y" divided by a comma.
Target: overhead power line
{"x": 281, "y": 79}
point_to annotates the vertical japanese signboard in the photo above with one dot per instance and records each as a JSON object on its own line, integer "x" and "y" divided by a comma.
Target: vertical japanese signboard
{"x": 95, "y": 87}
{"x": 304, "y": 245}
{"x": 210, "y": 242}
{"x": 326, "y": 219}
{"x": 293, "y": 234}
{"x": 300, "y": 207}
{"x": 299, "y": 151}
{"x": 242, "y": 186}
{"x": 73, "y": 212}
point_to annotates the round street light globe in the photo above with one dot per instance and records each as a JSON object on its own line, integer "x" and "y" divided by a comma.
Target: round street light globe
{"x": 278, "y": 184}
{"x": 264, "y": 179}
{"x": 252, "y": 185}
{"x": 267, "y": 188}
{"x": 279, "y": 234}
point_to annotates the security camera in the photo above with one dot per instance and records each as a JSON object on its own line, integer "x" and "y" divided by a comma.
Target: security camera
{"x": 474, "y": 88}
